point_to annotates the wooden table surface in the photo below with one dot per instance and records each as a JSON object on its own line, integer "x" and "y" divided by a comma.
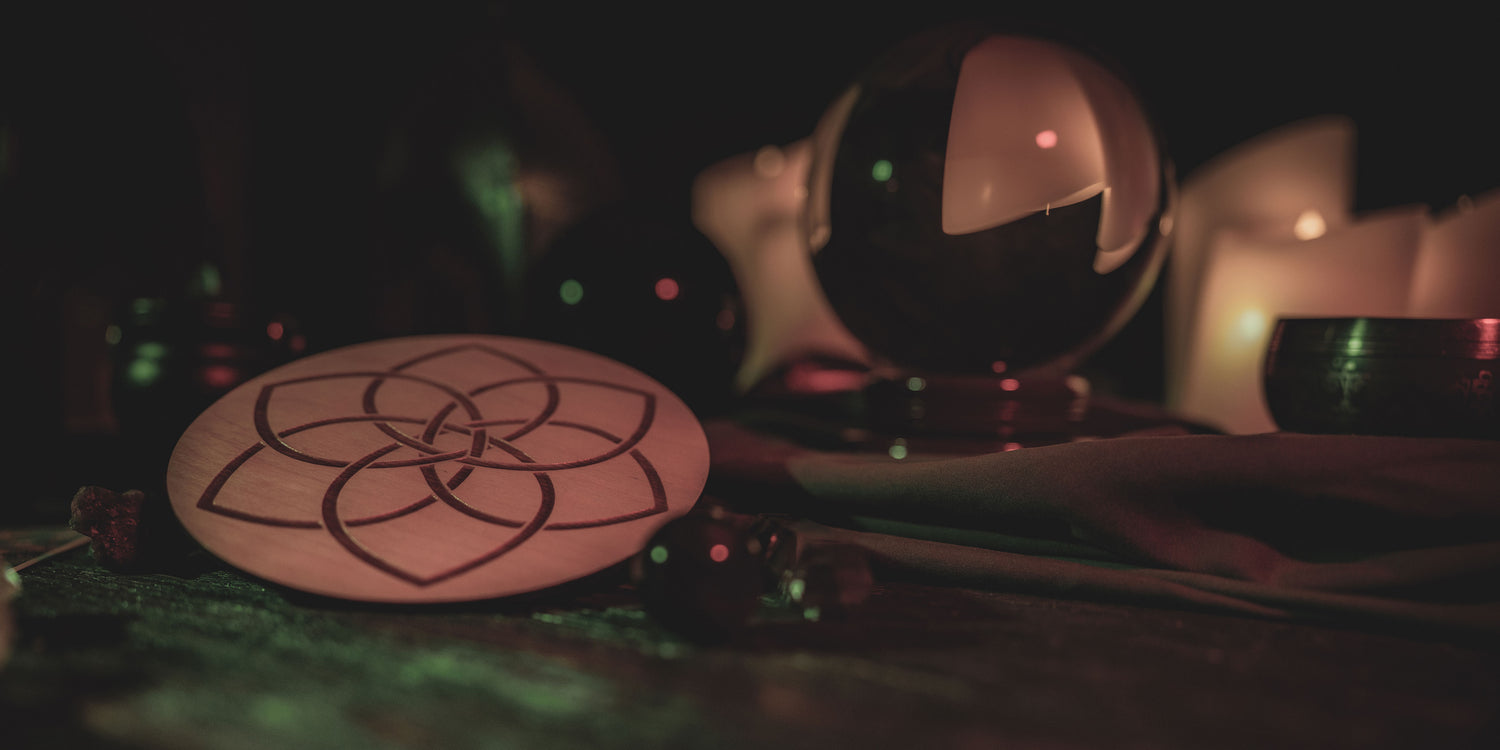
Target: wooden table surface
{"x": 206, "y": 657}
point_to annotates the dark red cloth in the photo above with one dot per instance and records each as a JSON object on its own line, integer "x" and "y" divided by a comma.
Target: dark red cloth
{"x": 1281, "y": 524}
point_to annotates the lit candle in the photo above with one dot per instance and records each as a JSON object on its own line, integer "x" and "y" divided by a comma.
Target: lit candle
{"x": 1295, "y": 182}
{"x": 1363, "y": 269}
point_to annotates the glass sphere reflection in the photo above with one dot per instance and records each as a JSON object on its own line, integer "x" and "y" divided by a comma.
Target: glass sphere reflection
{"x": 983, "y": 202}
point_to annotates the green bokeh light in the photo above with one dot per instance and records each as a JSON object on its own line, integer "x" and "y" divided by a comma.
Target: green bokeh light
{"x": 209, "y": 282}
{"x": 659, "y": 554}
{"x": 570, "y": 291}
{"x": 882, "y": 170}
{"x": 143, "y": 371}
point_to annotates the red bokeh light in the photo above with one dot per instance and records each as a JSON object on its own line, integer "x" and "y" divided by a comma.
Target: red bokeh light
{"x": 667, "y": 289}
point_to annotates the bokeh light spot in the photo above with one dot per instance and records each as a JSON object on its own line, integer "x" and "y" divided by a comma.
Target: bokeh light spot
{"x": 725, "y": 320}
{"x": 718, "y": 553}
{"x": 882, "y": 170}
{"x": 571, "y": 292}
{"x": 1046, "y": 139}
{"x": 796, "y": 588}
{"x": 151, "y": 350}
{"x": 1252, "y": 324}
{"x": 217, "y": 350}
{"x": 143, "y": 371}
{"x": 769, "y": 162}
{"x": 1310, "y": 225}
{"x": 667, "y": 289}
{"x": 219, "y": 376}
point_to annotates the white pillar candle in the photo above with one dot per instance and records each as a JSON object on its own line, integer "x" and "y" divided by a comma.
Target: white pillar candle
{"x": 1458, "y": 270}
{"x": 751, "y": 207}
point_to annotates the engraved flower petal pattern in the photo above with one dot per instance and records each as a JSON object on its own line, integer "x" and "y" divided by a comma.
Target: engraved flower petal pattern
{"x": 491, "y": 455}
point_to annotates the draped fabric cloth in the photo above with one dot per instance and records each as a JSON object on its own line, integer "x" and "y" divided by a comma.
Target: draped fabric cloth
{"x": 1393, "y": 529}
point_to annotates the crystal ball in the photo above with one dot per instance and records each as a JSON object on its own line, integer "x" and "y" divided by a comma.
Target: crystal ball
{"x": 981, "y": 201}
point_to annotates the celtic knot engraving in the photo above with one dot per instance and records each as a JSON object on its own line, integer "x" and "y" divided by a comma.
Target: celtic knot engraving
{"x": 491, "y": 451}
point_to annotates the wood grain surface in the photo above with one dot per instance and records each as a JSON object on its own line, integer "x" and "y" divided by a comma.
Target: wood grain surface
{"x": 437, "y": 468}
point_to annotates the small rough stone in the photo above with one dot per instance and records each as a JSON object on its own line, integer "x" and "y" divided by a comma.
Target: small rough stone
{"x": 112, "y": 521}
{"x": 128, "y": 531}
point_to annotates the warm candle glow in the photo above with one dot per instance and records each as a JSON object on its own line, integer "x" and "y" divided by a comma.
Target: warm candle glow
{"x": 1270, "y": 188}
{"x": 1310, "y": 225}
{"x": 769, "y": 161}
{"x": 1362, "y": 270}
{"x": 1253, "y": 325}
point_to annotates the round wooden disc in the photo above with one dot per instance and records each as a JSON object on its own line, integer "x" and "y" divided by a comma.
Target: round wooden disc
{"x": 437, "y": 469}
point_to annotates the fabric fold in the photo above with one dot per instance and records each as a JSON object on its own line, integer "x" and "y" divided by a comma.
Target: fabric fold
{"x": 1402, "y": 529}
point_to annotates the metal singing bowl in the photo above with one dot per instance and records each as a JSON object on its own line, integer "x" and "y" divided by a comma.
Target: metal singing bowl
{"x": 1384, "y": 376}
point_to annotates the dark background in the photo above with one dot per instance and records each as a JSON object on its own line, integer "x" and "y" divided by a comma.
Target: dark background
{"x": 102, "y": 193}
